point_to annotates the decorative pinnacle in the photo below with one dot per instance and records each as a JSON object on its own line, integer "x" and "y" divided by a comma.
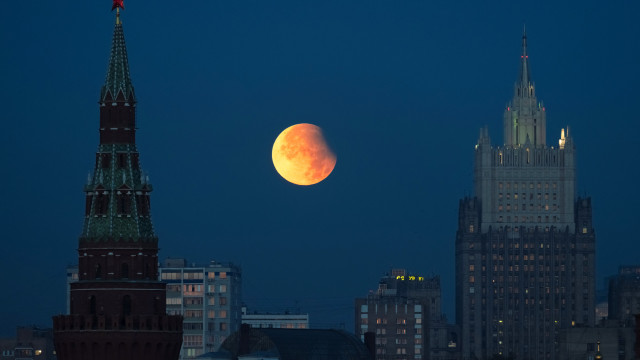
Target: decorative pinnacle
{"x": 117, "y": 4}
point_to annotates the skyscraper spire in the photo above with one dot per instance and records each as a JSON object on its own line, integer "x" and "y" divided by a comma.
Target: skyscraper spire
{"x": 524, "y": 118}
{"x": 525, "y": 77}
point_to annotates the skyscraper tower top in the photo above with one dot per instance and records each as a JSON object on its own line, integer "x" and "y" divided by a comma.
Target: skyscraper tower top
{"x": 517, "y": 237}
{"x": 525, "y": 118}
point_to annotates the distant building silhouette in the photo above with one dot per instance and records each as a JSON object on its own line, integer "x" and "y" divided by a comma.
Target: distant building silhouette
{"x": 405, "y": 314}
{"x": 117, "y": 306}
{"x": 30, "y": 343}
{"x": 525, "y": 245}
{"x": 608, "y": 338}
{"x": 292, "y": 344}
{"x": 624, "y": 295}
{"x": 209, "y": 297}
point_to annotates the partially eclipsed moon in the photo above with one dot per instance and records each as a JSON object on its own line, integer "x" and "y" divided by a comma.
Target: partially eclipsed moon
{"x": 302, "y": 156}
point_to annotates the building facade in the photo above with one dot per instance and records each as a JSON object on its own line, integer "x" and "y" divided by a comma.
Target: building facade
{"x": 610, "y": 339}
{"x": 209, "y": 297}
{"x": 30, "y": 343}
{"x": 525, "y": 245}
{"x": 624, "y": 295}
{"x": 274, "y": 320}
{"x": 400, "y": 313}
{"x": 117, "y": 307}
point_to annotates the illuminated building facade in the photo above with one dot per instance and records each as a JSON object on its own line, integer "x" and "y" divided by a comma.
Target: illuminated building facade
{"x": 209, "y": 299}
{"x": 405, "y": 315}
{"x": 525, "y": 245}
{"x": 275, "y": 321}
{"x": 117, "y": 306}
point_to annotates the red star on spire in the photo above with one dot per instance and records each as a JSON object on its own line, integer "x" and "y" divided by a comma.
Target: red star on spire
{"x": 117, "y": 4}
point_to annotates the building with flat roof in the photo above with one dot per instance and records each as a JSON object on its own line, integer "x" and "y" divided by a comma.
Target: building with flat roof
{"x": 624, "y": 295}
{"x": 30, "y": 343}
{"x": 275, "y": 320}
{"x": 209, "y": 297}
{"x": 405, "y": 316}
{"x": 609, "y": 338}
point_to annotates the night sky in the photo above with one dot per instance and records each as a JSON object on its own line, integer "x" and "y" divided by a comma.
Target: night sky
{"x": 400, "y": 89}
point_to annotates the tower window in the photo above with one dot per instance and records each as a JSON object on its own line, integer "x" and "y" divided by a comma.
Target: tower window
{"x": 105, "y": 160}
{"x": 126, "y": 305}
{"x": 101, "y": 204}
{"x": 123, "y": 204}
{"x": 135, "y": 161}
{"x": 92, "y": 305}
{"x": 142, "y": 203}
{"x": 122, "y": 160}
{"x": 124, "y": 271}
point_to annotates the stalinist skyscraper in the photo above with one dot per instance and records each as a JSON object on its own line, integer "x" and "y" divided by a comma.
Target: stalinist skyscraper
{"x": 525, "y": 246}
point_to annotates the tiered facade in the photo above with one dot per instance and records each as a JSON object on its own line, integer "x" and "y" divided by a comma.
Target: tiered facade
{"x": 118, "y": 306}
{"x": 525, "y": 246}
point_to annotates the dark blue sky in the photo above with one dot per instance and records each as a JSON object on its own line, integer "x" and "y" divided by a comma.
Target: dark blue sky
{"x": 399, "y": 87}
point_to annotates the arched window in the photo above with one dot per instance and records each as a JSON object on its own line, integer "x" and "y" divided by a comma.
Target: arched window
{"x": 156, "y": 306}
{"x": 92, "y": 305}
{"x": 124, "y": 271}
{"x": 126, "y": 305}
{"x": 98, "y": 271}
{"x": 124, "y": 204}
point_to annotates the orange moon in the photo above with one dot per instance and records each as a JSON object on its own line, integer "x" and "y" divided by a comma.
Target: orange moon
{"x": 301, "y": 155}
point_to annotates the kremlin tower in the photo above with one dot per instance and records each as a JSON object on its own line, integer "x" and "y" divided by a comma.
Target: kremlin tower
{"x": 118, "y": 306}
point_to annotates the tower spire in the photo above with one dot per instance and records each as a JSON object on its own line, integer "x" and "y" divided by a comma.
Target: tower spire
{"x": 117, "y": 85}
{"x": 524, "y": 118}
{"x": 525, "y": 77}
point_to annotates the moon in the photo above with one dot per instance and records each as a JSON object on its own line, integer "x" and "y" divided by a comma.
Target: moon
{"x": 301, "y": 155}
